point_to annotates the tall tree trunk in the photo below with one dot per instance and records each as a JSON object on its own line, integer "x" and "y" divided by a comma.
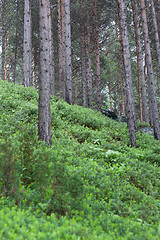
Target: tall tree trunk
{"x": 44, "y": 126}
{"x": 16, "y": 44}
{"x": 151, "y": 84}
{"x": 9, "y": 43}
{"x": 59, "y": 25}
{"x": 63, "y": 43}
{"x": 140, "y": 64}
{"x": 89, "y": 63}
{"x": 52, "y": 72}
{"x": 98, "y": 76}
{"x": 68, "y": 53}
{"x": 130, "y": 108}
{"x": 27, "y": 45}
{"x": 5, "y": 64}
{"x": 156, "y": 39}
{"x": 83, "y": 57}
{"x": 120, "y": 77}
{"x": 3, "y": 40}
{"x": 157, "y": 8}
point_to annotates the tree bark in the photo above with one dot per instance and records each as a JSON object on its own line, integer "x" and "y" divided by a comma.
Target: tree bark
{"x": 59, "y": 25}
{"x": 98, "y": 75}
{"x": 130, "y": 108}
{"x": 9, "y": 43}
{"x": 3, "y": 40}
{"x": 44, "y": 126}
{"x": 27, "y": 45}
{"x": 68, "y": 53}
{"x": 63, "y": 45}
{"x": 52, "y": 70}
{"x": 157, "y": 9}
{"x": 88, "y": 63}
{"x": 16, "y": 44}
{"x": 151, "y": 84}
{"x": 156, "y": 40}
{"x": 83, "y": 57}
{"x": 120, "y": 77}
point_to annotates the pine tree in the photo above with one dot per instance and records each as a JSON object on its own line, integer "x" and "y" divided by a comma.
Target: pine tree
{"x": 44, "y": 117}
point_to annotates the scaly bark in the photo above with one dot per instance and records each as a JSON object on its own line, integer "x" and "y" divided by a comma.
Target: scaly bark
{"x": 130, "y": 108}
{"x": 88, "y": 63}
{"x": 44, "y": 117}
{"x": 27, "y": 45}
{"x": 156, "y": 40}
{"x": 3, "y": 40}
{"x": 68, "y": 52}
{"x": 83, "y": 57}
{"x": 98, "y": 75}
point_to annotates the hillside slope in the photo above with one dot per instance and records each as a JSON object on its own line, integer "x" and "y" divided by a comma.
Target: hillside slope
{"x": 88, "y": 185}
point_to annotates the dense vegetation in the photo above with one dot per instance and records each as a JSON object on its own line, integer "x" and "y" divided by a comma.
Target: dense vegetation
{"x": 90, "y": 184}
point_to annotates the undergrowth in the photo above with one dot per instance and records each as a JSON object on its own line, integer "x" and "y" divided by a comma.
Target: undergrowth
{"x": 90, "y": 184}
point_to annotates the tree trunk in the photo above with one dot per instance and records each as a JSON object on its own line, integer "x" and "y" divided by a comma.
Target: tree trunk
{"x": 89, "y": 64}
{"x": 52, "y": 72}
{"x": 130, "y": 108}
{"x": 157, "y": 40}
{"x": 140, "y": 64}
{"x": 63, "y": 43}
{"x": 151, "y": 84}
{"x": 3, "y": 40}
{"x": 83, "y": 57}
{"x": 120, "y": 77}
{"x": 157, "y": 9}
{"x": 16, "y": 44}
{"x": 5, "y": 64}
{"x": 44, "y": 126}
{"x": 59, "y": 25}
{"x": 98, "y": 76}
{"x": 27, "y": 45}
{"x": 68, "y": 53}
{"x": 9, "y": 43}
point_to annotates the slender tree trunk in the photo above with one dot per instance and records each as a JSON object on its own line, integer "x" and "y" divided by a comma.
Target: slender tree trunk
{"x": 33, "y": 69}
{"x": 27, "y": 45}
{"x": 157, "y": 8}
{"x": 83, "y": 57}
{"x": 151, "y": 84}
{"x": 98, "y": 75}
{"x": 130, "y": 108}
{"x": 68, "y": 53}
{"x": 44, "y": 126}
{"x": 16, "y": 44}
{"x": 140, "y": 64}
{"x": 52, "y": 72}
{"x": 156, "y": 39}
{"x": 120, "y": 77}
{"x": 110, "y": 98}
{"x": 63, "y": 32}
{"x": 3, "y": 40}
{"x": 75, "y": 87}
{"x": 5, "y": 64}
{"x": 9, "y": 43}
{"x": 89, "y": 64}
{"x": 59, "y": 24}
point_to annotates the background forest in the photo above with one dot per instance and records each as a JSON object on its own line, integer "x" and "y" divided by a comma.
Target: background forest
{"x": 65, "y": 66}
{"x": 102, "y": 54}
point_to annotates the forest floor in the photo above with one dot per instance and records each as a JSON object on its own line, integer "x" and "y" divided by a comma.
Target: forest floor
{"x": 90, "y": 184}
